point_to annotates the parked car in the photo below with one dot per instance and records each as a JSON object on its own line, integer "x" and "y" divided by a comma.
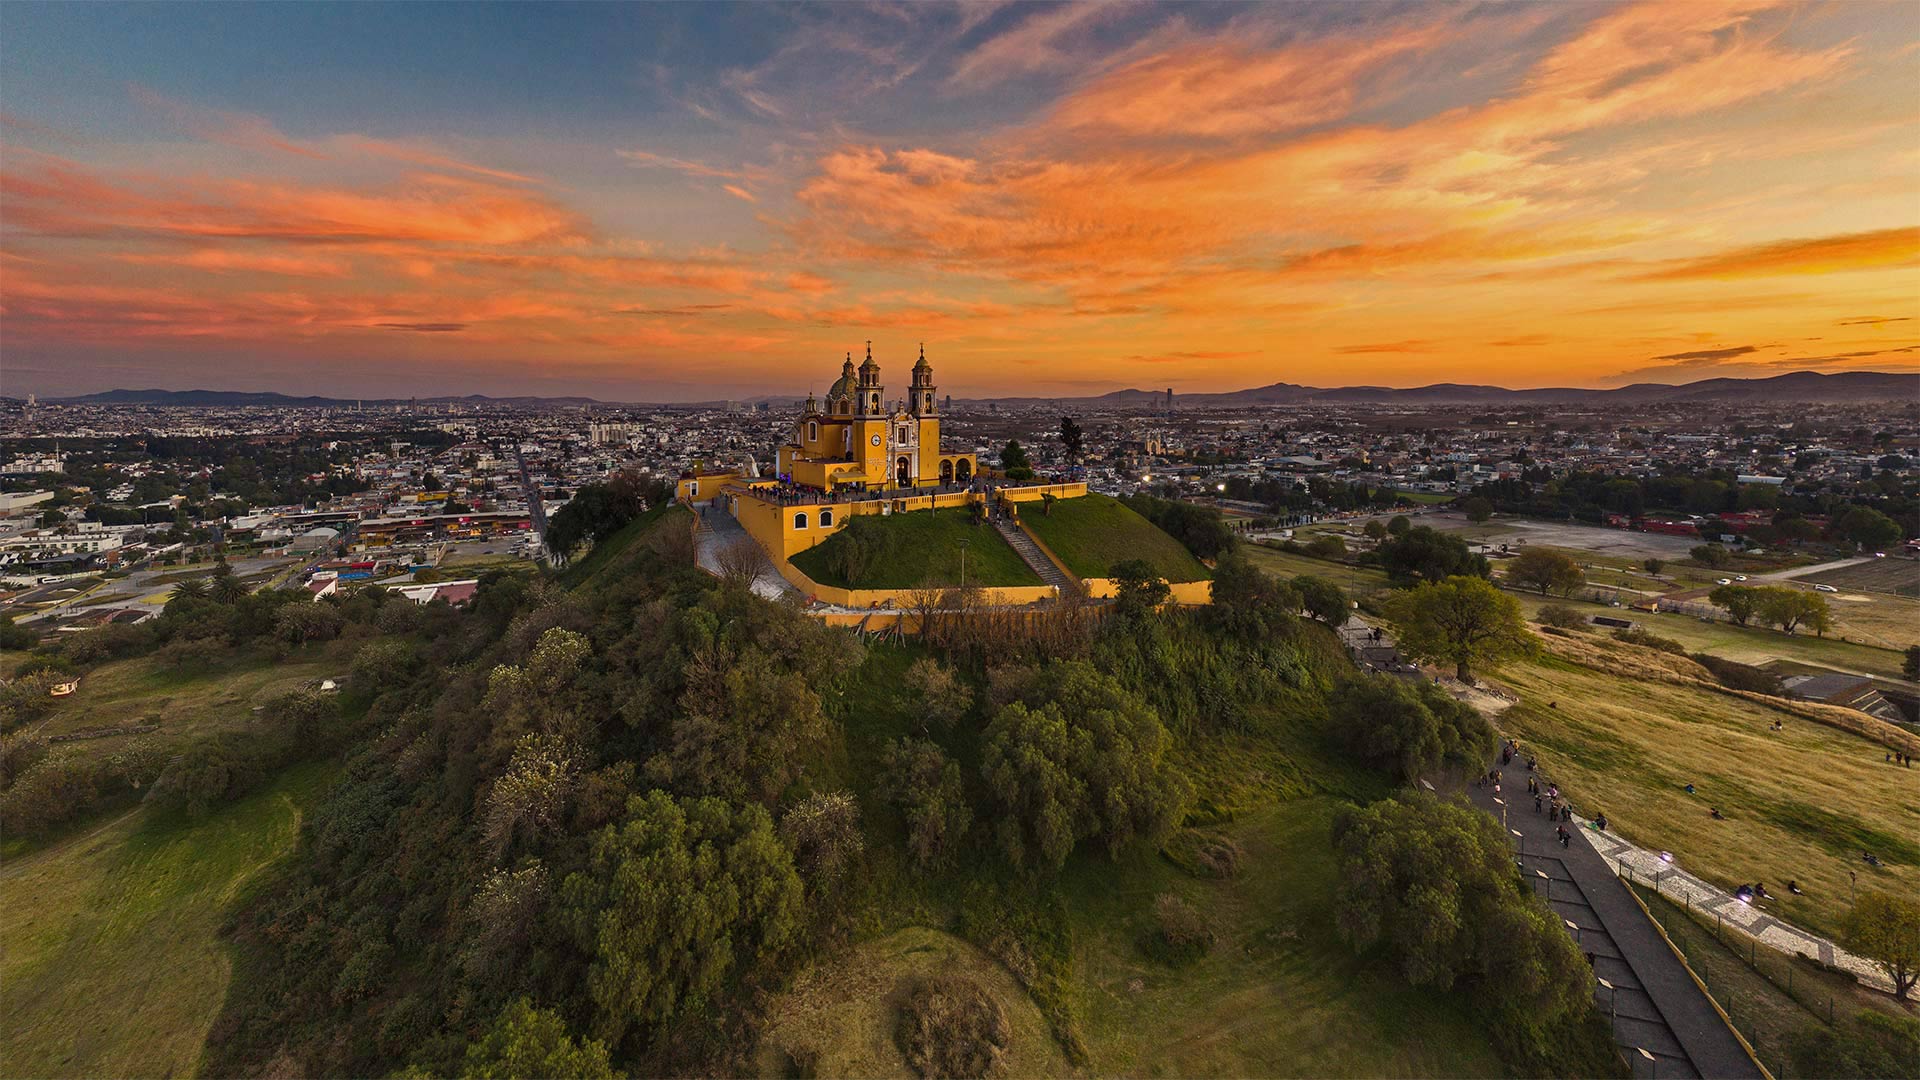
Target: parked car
{"x": 1825, "y": 588}
{"x": 1723, "y": 581}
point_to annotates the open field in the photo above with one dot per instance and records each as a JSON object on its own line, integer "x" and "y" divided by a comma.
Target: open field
{"x": 926, "y": 548}
{"x": 112, "y": 963}
{"x": 1279, "y": 995}
{"x": 1892, "y": 576}
{"x": 1357, "y": 580}
{"x": 1595, "y": 539}
{"x": 1093, "y": 532}
{"x": 1802, "y": 803}
{"x": 1747, "y": 644}
{"x": 187, "y": 702}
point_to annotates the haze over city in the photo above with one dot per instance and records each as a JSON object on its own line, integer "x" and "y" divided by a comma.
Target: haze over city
{"x": 700, "y": 201}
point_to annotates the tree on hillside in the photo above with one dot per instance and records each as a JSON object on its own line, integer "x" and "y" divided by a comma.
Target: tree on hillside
{"x": 925, "y": 786}
{"x": 1546, "y": 570}
{"x": 1408, "y": 729}
{"x": 1080, "y": 758}
{"x": 1910, "y": 667}
{"x": 1478, "y": 509}
{"x": 1461, "y": 621}
{"x": 1322, "y": 599}
{"x": 1072, "y": 439}
{"x": 1375, "y": 530}
{"x": 525, "y": 1041}
{"x": 1424, "y": 554}
{"x": 1886, "y": 930}
{"x": 939, "y": 695}
{"x": 823, "y": 832}
{"x": 1432, "y": 884}
{"x": 1140, "y": 591}
{"x": 1741, "y": 601}
{"x": 745, "y": 724}
{"x": 1654, "y": 566}
{"x": 743, "y": 563}
{"x": 676, "y": 902}
{"x": 1399, "y": 524}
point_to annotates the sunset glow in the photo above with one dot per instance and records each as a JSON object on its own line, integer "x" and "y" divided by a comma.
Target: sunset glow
{"x": 697, "y": 201}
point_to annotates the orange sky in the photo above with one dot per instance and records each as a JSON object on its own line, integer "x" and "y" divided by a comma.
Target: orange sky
{"x": 1058, "y": 200}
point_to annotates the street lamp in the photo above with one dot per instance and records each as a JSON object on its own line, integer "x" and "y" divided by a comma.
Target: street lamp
{"x": 1653, "y": 1064}
{"x": 1611, "y": 992}
{"x": 963, "y": 563}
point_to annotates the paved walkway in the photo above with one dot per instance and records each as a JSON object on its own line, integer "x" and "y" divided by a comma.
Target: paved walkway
{"x": 1655, "y": 1005}
{"x": 1030, "y": 553}
{"x": 717, "y": 531}
{"x": 1750, "y": 918}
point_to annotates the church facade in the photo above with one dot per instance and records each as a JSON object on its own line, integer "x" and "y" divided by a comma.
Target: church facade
{"x": 859, "y": 441}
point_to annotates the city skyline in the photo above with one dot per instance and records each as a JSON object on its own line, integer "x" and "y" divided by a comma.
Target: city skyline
{"x": 685, "y": 203}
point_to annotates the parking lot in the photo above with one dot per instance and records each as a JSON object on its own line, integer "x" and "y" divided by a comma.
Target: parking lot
{"x": 1892, "y": 576}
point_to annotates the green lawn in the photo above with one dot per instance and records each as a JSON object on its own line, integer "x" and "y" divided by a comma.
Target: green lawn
{"x": 924, "y": 547}
{"x": 110, "y": 958}
{"x": 1801, "y": 803}
{"x": 1093, "y": 532}
{"x": 1357, "y": 580}
{"x": 188, "y": 702}
{"x": 1279, "y": 994}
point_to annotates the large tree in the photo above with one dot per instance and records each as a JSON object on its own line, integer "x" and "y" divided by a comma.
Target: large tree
{"x": 675, "y": 902}
{"x": 1423, "y": 554}
{"x": 1867, "y": 527}
{"x": 1741, "y": 601}
{"x": 1886, "y": 930}
{"x": 525, "y": 1041}
{"x": 1079, "y": 758}
{"x": 1461, "y": 621}
{"x": 1408, "y": 728}
{"x": 1546, "y": 570}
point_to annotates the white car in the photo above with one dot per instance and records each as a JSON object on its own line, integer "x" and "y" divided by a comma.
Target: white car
{"x": 1723, "y": 581}
{"x": 1879, "y": 554}
{"x": 1739, "y": 577}
{"x": 1825, "y": 588}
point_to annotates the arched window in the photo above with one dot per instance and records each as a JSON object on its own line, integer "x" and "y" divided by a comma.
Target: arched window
{"x": 799, "y": 521}
{"x": 826, "y": 519}
{"x": 813, "y": 431}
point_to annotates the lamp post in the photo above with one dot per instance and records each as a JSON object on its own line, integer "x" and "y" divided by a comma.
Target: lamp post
{"x": 1653, "y": 1064}
{"x": 963, "y": 563}
{"x": 1611, "y": 992}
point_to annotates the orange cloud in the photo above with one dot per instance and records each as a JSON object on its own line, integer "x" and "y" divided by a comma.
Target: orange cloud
{"x": 1874, "y": 250}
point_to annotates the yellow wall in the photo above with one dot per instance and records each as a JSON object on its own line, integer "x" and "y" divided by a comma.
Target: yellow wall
{"x": 702, "y": 487}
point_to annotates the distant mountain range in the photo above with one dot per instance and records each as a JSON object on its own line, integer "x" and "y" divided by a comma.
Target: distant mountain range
{"x": 1850, "y": 387}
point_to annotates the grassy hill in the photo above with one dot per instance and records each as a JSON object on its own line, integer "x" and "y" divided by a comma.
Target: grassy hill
{"x": 1801, "y": 803}
{"x": 917, "y": 548}
{"x": 110, "y": 957}
{"x": 1093, "y": 532}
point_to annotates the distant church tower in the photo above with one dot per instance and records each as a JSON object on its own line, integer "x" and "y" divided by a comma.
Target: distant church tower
{"x": 871, "y": 392}
{"x": 921, "y": 401}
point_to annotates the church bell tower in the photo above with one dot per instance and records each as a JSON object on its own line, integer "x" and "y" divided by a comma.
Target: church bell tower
{"x": 921, "y": 402}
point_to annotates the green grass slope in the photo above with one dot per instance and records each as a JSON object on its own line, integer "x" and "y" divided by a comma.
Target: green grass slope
{"x": 1093, "y": 532}
{"x": 110, "y": 959}
{"x": 923, "y": 546}
{"x": 1801, "y": 803}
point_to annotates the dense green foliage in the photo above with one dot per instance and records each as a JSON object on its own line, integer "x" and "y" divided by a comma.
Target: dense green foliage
{"x": 1432, "y": 885}
{"x": 1460, "y": 621}
{"x": 1424, "y": 554}
{"x": 1409, "y": 730}
{"x": 1201, "y": 528}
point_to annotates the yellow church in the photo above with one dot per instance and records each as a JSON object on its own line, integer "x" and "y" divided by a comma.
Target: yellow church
{"x": 861, "y": 442}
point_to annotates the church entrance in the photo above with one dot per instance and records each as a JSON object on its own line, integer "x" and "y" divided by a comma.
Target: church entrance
{"x": 903, "y": 472}
{"x": 946, "y": 471}
{"x": 963, "y": 472}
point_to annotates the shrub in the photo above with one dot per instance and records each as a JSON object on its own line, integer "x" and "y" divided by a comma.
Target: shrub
{"x": 1408, "y": 729}
{"x": 1562, "y": 616}
{"x": 823, "y": 832}
{"x": 1180, "y": 935}
{"x": 1738, "y": 676}
{"x": 920, "y": 780}
{"x": 1205, "y": 854}
{"x": 951, "y": 1027}
{"x": 1635, "y": 635}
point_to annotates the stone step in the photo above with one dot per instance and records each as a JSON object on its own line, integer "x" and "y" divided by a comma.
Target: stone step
{"x": 1031, "y": 554}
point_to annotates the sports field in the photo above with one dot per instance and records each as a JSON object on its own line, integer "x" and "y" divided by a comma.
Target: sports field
{"x": 1895, "y": 576}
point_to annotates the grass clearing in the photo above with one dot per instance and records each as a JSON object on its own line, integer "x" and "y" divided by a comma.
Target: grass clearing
{"x": 1091, "y": 533}
{"x": 112, "y": 963}
{"x": 1359, "y": 581}
{"x": 1892, "y": 576}
{"x": 188, "y": 702}
{"x": 926, "y": 546}
{"x": 838, "y": 1017}
{"x": 1279, "y": 994}
{"x": 1801, "y": 803}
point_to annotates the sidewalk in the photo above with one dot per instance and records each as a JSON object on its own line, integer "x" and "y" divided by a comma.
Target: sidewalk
{"x": 1655, "y": 1004}
{"x": 1683, "y": 888}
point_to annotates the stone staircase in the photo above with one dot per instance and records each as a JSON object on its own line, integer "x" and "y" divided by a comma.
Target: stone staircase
{"x": 1031, "y": 554}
